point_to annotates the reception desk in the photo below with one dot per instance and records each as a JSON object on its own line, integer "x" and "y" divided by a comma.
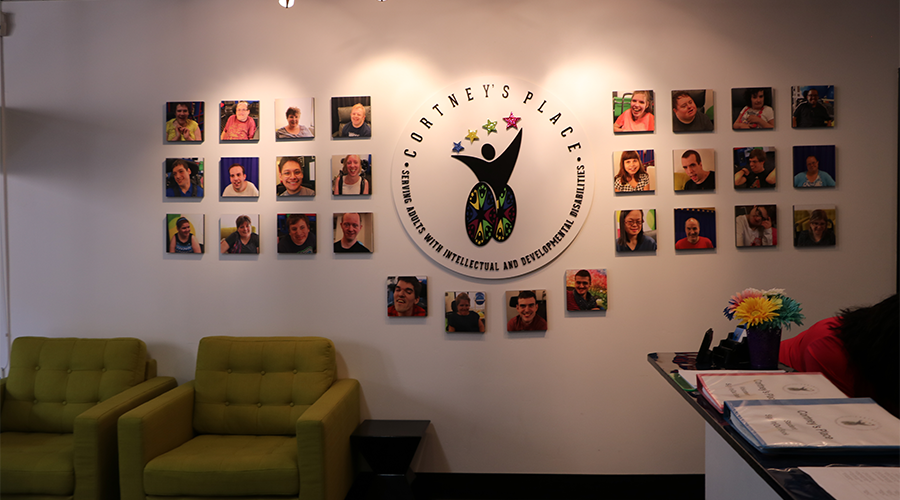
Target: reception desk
{"x": 737, "y": 471}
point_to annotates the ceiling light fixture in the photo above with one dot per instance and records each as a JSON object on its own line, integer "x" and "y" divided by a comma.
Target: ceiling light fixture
{"x": 287, "y": 4}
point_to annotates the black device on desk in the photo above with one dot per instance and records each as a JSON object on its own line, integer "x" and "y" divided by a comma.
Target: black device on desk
{"x": 729, "y": 354}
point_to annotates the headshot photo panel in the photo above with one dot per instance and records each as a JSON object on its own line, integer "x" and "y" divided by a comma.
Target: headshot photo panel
{"x": 351, "y": 174}
{"x": 351, "y": 117}
{"x": 752, "y": 108}
{"x": 755, "y": 226}
{"x": 586, "y": 290}
{"x": 814, "y": 166}
{"x": 635, "y": 230}
{"x": 353, "y": 232}
{"x": 184, "y": 233}
{"x": 407, "y": 296}
{"x": 526, "y": 310}
{"x": 633, "y": 111}
{"x": 694, "y": 169}
{"x": 295, "y": 119}
{"x": 754, "y": 168}
{"x": 812, "y": 106}
{"x": 295, "y": 176}
{"x": 239, "y": 234}
{"x": 634, "y": 171}
{"x": 695, "y": 228}
{"x": 184, "y": 121}
{"x": 296, "y": 233}
{"x": 184, "y": 177}
{"x": 693, "y": 110}
{"x": 465, "y": 312}
{"x": 239, "y": 120}
{"x": 239, "y": 176}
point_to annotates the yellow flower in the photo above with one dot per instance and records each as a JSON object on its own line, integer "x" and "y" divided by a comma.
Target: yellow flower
{"x": 756, "y": 310}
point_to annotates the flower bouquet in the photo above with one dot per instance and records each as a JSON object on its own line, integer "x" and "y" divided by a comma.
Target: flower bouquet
{"x": 765, "y": 310}
{"x": 764, "y": 313}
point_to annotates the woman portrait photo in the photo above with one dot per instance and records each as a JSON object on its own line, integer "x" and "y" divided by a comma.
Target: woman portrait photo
{"x": 814, "y": 167}
{"x": 184, "y": 233}
{"x": 351, "y": 117}
{"x": 462, "y": 313}
{"x": 351, "y": 174}
{"x": 633, "y": 112}
{"x": 240, "y": 238}
{"x": 184, "y": 121}
{"x": 295, "y": 119}
{"x": 633, "y": 171}
{"x": 751, "y": 108}
{"x": 814, "y": 226}
{"x": 238, "y": 120}
{"x": 631, "y": 234}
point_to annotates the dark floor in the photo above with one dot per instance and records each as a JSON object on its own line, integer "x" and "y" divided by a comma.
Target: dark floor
{"x": 441, "y": 486}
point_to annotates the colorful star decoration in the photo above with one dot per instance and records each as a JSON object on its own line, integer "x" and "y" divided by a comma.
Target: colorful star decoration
{"x": 490, "y": 126}
{"x": 472, "y": 136}
{"x": 512, "y": 121}
{"x": 457, "y": 147}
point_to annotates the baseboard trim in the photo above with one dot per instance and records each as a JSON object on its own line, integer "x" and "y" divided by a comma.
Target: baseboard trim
{"x": 436, "y": 486}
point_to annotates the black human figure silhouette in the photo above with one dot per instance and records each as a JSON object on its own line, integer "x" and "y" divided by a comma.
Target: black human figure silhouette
{"x": 495, "y": 173}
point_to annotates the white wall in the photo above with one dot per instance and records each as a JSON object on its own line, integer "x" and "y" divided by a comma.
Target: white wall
{"x": 85, "y": 88}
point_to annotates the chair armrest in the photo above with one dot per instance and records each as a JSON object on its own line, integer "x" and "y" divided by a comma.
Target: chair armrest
{"x": 150, "y": 430}
{"x": 323, "y": 442}
{"x": 94, "y": 434}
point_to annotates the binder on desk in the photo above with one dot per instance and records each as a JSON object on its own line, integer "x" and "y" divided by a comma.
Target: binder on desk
{"x": 857, "y": 425}
{"x": 719, "y": 388}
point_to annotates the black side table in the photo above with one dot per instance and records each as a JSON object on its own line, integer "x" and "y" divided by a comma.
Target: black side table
{"x": 388, "y": 446}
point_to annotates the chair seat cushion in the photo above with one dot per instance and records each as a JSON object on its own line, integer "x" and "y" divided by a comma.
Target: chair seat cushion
{"x": 36, "y": 463}
{"x": 226, "y": 465}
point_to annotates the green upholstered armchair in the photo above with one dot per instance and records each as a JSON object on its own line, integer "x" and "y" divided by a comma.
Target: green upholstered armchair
{"x": 58, "y": 413}
{"x": 264, "y": 417}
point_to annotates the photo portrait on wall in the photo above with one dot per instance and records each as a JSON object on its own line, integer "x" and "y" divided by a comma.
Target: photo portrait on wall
{"x": 633, "y": 111}
{"x": 755, "y": 226}
{"x": 814, "y": 166}
{"x": 239, "y": 120}
{"x": 296, "y": 233}
{"x": 239, "y": 176}
{"x": 295, "y": 119}
{"x": 184, "y": 121}
{"x": 353, "y": 232}
{"x": 751, "y": 108}
{"x": 695, "y": 228}
{"x": 351, "y": 174}
{"x": 351, "y": 117}
{"x": 694, "y": 169}
{"x": 465, "y": 312}
{"x": 634, "y": 171}
{"x": 184, "y": 233}
{"x": 635, "y": 230}
{"x": 296, "y": 176}
{"x": 526, "y": 310}
{"x": 184, "y": 177}
{"x": 754, "y": 168}
{"x": 815, "y": 225}
{"x": 407, "y": 296}
{"x": 586, "y": 290}
{"x": 693, "y": 110}
{"x": 812, "y": 106}
{"x": 239, "y": 233}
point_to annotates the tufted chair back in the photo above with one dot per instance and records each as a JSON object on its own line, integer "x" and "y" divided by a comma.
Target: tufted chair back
{"x": 259, "y": 385}
{"x": 53, "y": 380}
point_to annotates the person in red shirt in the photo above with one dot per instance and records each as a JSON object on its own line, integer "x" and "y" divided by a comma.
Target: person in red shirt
{"x": 858, "y": 351}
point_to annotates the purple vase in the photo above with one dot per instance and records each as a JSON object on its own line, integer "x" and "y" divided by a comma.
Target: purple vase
{"x": 764, "y": 344}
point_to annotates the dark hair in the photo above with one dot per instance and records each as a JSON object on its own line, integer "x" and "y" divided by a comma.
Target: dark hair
{"x": 752, "y": 92}
{"x": 463, "y": 296}
{"x": 295, "y": 218}
{"x": 183, "y": 163}
{"x": 292, "y": 111}
{"x": 241, "y": 220}
{"x": 185, "y": 104}
{"x": 412, "y": 280}
{"x": 629, "y": 155}
{"x": 870, "y": 335}
{"x": 243, "y": 170}
{"x": 689, "y": 152}
{"x": 818, "y": 214}
{"x": 623, "y": 238}
{"x": 584, "y": 273}
{"x": 759, "y": 154}
{"x": 180, "y": 221}
{"x": 288, "y": 159}
{"x": 678, "y": 94}
{"x": 526, "y": 294}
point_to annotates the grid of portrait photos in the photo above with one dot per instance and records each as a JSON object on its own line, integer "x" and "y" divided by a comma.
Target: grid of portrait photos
{"x": 754, "y": 166}
{"x": 246, "y": 178}
{"x": 634, "y": 172}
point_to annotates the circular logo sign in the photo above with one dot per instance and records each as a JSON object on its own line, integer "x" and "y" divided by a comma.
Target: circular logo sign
{"x": 491, "y": 178}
